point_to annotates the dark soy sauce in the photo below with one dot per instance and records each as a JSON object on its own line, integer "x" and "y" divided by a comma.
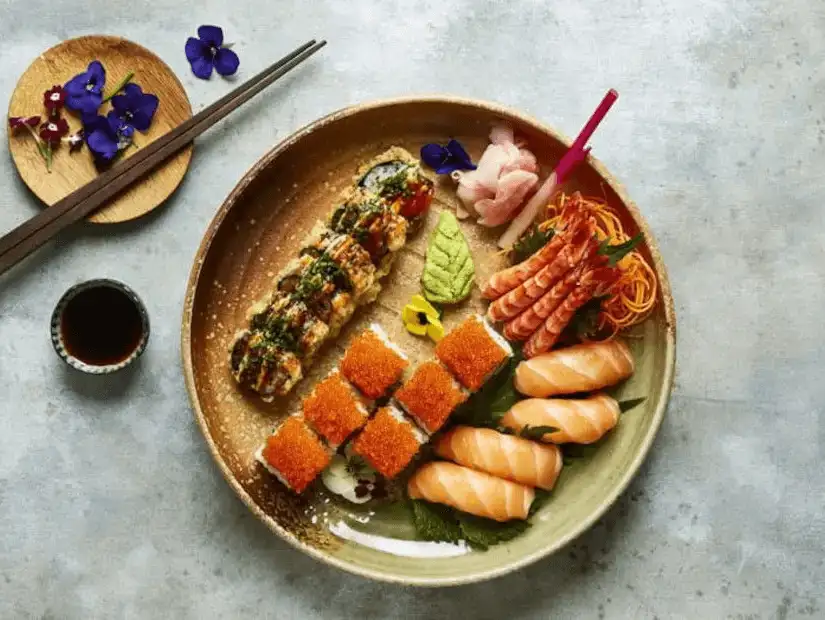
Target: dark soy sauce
{"x": 101, "y": 326}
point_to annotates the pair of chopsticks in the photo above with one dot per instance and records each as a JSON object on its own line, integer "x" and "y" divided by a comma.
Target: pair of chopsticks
{"x": 33, "y": 233}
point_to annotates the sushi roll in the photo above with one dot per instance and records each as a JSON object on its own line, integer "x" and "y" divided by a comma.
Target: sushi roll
{"x": 334, "y": 410}
{"x": 372, "y": 363}
{"x": 430, "y": 396}
{"x": 263, "y": 366}
{"x": 294, "y": 454}
{"x": 395, "y": 176}
{"x": 388, "y": 442}
{"x": 371, "y": 221}
{"x": 473, "y": 352}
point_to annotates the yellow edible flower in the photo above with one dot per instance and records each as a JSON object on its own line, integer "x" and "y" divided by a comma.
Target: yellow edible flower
{"x": 421, "y": 318}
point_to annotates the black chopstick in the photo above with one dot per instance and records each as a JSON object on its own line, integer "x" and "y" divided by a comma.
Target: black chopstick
{"x": 33, "y": 233}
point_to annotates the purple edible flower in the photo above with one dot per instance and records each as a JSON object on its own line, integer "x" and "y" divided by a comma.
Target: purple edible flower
{"x": 106, "y": 136}
{"x": 20, "y": 122}
{"x": 446, "y": 159}
{"x": 134, "y": 107}
{"x": 53, "y": 100}
{"x": 85, "y": 91}
{"x": 207, "y": 52}
{"x": 53, "y": 130}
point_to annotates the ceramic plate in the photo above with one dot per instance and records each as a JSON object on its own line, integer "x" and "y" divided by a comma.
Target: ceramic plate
{"x": 256, "y": 231}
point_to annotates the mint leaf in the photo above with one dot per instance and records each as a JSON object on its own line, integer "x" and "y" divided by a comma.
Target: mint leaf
{"x": 435, "y": 522}
{"x": 627, "y": 405}
{"x": 531, "y": 242}
{"x": 536, "y": 432}
{"x": 484, "y": 533}
{"x": 615, "y": 253}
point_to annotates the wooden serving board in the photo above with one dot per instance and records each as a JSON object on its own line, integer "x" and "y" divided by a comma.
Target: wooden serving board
{"x": 72, "y": 170}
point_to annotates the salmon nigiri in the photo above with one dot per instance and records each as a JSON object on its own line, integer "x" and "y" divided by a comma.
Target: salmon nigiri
{"x": 584, "y": 420}
{"x": 580, "y": 368}
{"x": 470, "y": 491}
{"x": 505, "y": 456}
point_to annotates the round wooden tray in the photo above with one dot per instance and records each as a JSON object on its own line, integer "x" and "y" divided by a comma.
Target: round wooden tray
{"x": 72, "y": 170}
{"x": 259, "y": 228}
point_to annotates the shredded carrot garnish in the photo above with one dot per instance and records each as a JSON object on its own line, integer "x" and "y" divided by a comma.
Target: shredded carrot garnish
{"x": 430, "y": 395}
{"x": 634, "y": 294}
{"x": 372, "y": 366}
{"x": 386, "y": 443}
{"x": 296, "y": 453}
{"x": 333, "y": 410}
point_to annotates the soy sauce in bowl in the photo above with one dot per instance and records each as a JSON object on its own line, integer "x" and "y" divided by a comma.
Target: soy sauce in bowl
{"x": 100, "y": 326}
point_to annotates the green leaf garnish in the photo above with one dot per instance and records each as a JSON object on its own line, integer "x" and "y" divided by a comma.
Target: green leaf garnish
{"x": 487, "y": 406}
{"x": 585, "y": 322}
{"x": 531, "y": 242}
{"x": 615, "y": 253}
{"x": 444, "y": 524}
{"x": 435, "y": 522}
{"x": 540, "y": 500}
{"x": 484, "y": 533}
{"x": 536, "y": 432}
{"x": 627, "y": 405}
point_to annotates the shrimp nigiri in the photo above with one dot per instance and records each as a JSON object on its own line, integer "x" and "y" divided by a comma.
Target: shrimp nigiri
{"x": 505, "y": 456}
{"x": 470, "y": 491}
{"x": 584, "y": 420}
{"x": 580, "y": 368}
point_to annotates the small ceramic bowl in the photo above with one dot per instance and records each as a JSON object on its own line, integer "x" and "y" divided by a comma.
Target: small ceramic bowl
{"x": 128, "y": 303}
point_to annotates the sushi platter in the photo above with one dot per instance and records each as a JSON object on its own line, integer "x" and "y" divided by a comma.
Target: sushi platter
{"x": 429, "y": 340}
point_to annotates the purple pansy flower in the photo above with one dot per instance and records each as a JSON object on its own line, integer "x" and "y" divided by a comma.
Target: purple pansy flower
{"x": 446, "y": 159}
{"x": 207, "y": 52}
{"x": 106, "y": 136}
{"x": 85, "y": 91}
{"x": 134, "y": 107}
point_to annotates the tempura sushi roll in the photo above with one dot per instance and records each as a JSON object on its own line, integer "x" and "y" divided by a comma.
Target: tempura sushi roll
{"x": 430, "y": 395}
{"x": 294, "y": 454}
{"x": 371, "y": 221}
{"x": 395, "y": 176}
{"x": 372, "y": 363}
{"x": 473, "y": 352}
{"x": 388, "y": 442}
{"x": 334, "y": 410}
{"x": 260, "y": 365}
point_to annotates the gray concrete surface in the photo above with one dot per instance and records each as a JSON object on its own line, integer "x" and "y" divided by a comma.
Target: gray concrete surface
{"x": 110, "y": 506}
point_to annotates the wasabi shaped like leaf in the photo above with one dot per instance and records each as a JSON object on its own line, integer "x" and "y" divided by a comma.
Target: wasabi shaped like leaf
{"x": 449, "y": 270}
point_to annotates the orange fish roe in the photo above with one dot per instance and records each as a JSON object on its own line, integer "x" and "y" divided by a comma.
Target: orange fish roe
{"x": 296, "y": 453}
{"x": 430, "y": 396}
{"x": 471, "y": 353}
{"x": 387, "y": 443}
{"x": 333, "y": 410}
{"x": 372, "y": 366}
